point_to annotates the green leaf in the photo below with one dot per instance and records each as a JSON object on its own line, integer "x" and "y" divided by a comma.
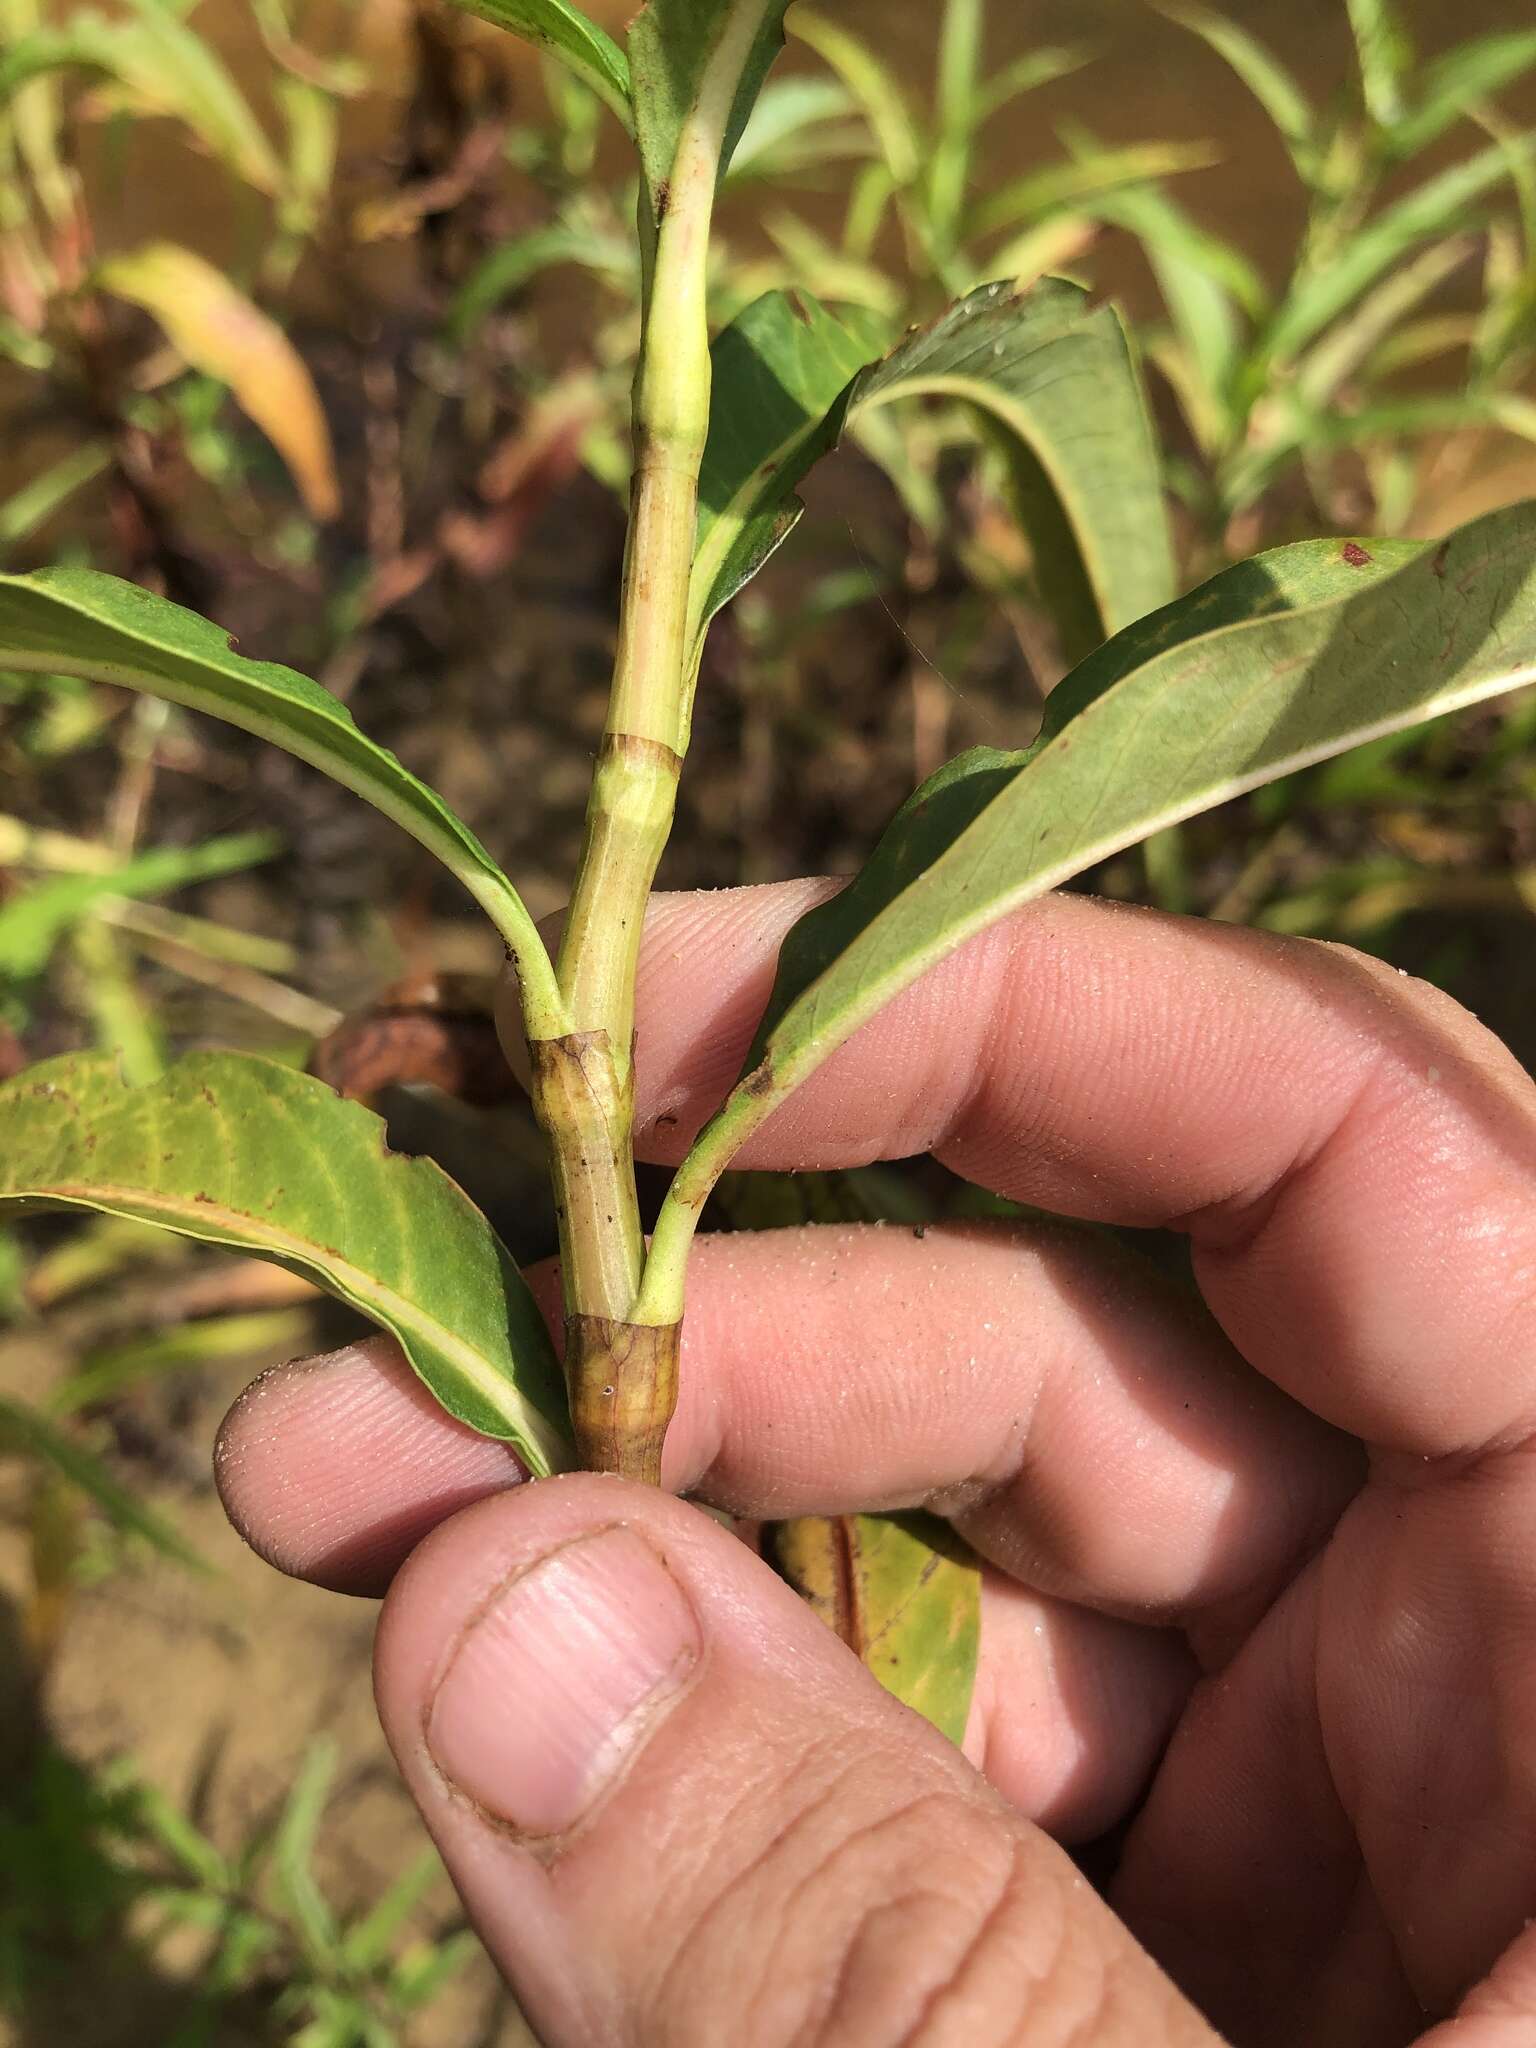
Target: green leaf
{"x": 792, "y": 129}
{"x": 368, "y": 1941}
{"x": 1286, "y": 579}
{"x": 26, "y": 1433}
{"x": 683, "y": 50}
{"x": 904, "y": 1594}
{"x": 167, "y": 68}
{"x": 32, "y": 923}
{"x": 827, "y": 269}
{"x": 564, "y": 31}
{"x": 425, "y": 1968}
{"x": 293, "y": 1852}
{"x": 79, "y": 622}
{"x": 1393, "y": 421}
{"x": 1277, "y": 665}
{"x": 182, "y": 1840}
{"x": 109, "y": 1370}
{"x": 1455, "y": 82}
{"x": 1207, "y": 286}
{"x": 1026, "y": 74}
{"x": 957, "y": 116}
{"x": 1385, "y": 56}
{"x": 1049, "y": 373}
{"x": 236, "y": 1150}
{"x": 1377, "y": 315}
{"x": 513, "y": 263}
{"x": 1270, "y": 82}
{"x": 41, "y": 496}
{"x": 1436, "y": 207}
{"x": 874, "y": 89}
{"x": 783, "y": 371}
{"x": 1052, "y": 376}
{"x": 1067, "y": 186}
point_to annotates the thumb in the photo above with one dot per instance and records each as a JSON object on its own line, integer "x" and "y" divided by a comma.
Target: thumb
{"x": 681, "y": 1813}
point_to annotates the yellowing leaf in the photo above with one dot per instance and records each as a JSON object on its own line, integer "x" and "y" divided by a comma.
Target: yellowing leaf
{"x": 235, "y": 1150}
{"x": 220, "y": 332}
{"x": 904, "y": 1594}
{"x": 162, "y": 65}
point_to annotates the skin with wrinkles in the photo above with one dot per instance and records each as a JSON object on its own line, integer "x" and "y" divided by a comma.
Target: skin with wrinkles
{"x": 1261, "y": 1575}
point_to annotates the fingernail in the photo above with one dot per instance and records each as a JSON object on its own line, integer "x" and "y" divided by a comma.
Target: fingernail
{"x": 562, "y": 1679}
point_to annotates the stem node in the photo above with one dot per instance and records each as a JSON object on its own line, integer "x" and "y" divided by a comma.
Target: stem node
{"x": 622, "y": 1379}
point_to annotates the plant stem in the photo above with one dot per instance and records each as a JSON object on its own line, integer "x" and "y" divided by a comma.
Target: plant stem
{"x": 622, "y": 1376}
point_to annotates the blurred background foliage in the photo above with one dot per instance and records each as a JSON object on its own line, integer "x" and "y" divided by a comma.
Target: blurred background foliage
{"x": 321, "y": 317}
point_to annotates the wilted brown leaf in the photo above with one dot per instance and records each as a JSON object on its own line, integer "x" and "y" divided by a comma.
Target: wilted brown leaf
{"x": 438, "y": 1036}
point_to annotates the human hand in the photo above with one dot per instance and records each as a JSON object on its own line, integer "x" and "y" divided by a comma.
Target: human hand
{"x": 1264, "y": 1579}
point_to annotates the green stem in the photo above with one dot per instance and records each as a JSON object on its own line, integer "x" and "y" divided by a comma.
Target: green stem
{"x": 621, "y": 1375}
{"x": 661, "y": 1296}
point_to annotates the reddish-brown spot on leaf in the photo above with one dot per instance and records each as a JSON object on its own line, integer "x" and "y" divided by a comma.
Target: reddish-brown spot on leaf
{"x": 13, "y": 1054}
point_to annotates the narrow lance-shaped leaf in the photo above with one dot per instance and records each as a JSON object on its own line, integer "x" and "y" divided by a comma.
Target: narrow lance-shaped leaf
{"x": 236, "y": 1150}
{"x": 42, "y": 495}
{"x": 1076, "y": 183}
{"x": 33, "y": 922}
{"x": 673, "y": 44}
{"x": 1438, "y": 205}
{"x": 1210, "y": 291}
{"x": 36, "y": 124}
{"x": 1270, "y": 668}
{"x": 1455, "y": 82}
{"x": 1385, "y": 55}
{"x": 874, "y": 89}
{"x": 1271, "y": 82}
{"x": 587, "y": 50}
{"x": 79, "y": 622}
{"x": 961, "y": 36}
{"x": 294, "y": 1845}
{"x": 509, "y": 266}
{"x": 220, "y": 332}
{"x": 109, "y": 1370}
{"x": 1027, "y": 73}
{"x": 167, "y": 68}
{"x": 1049, "y": 372}
{"x": 798, "y": 124}
{"x": 905, "y": 1596}
{"x": 1380, "y": 313}
{"x": 24, "y": 1432}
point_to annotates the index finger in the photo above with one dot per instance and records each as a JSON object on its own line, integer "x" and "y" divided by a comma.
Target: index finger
{"x": 1353, "y": 1155}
